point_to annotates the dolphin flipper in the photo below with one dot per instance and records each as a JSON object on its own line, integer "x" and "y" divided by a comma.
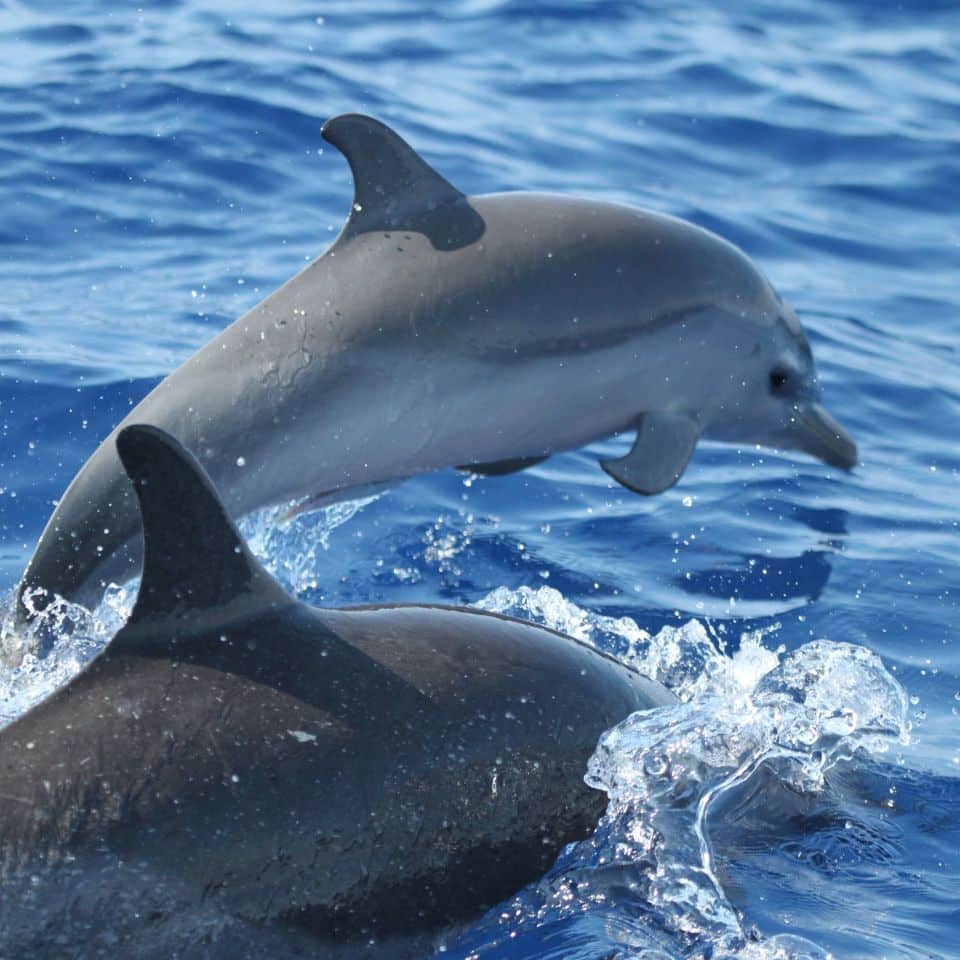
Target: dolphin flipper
{"x": 180, "y": 509}
{"x": 659, "y": 455}
{"x": 500, "y": 468}
{"x": 394, "y": 188}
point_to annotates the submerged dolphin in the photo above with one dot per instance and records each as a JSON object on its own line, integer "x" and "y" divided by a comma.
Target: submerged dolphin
{"x": 442, "y": 330}
{"x": 248, "y": 770}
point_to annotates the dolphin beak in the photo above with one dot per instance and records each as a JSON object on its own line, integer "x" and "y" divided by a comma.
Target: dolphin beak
{"x": 817, "y": 433}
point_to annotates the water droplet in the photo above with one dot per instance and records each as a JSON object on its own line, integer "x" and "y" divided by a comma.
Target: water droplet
{"x": 655, "y": 764}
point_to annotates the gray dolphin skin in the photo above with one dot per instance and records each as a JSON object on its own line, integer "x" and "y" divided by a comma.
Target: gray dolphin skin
{"x": 442, "y": 330}
{"x": 241, "y": 774}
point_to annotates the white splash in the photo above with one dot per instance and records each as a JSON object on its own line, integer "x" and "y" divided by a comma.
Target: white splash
{"x": 69, "y": 635}
{"x": 663, "y": 769}
{"x": 685, "y": 659}
{"x": 288, "y": 541}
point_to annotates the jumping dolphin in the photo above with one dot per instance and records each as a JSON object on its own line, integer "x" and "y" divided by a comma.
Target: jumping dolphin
{"x": 443, "y": 330}
{"x": 240, "y": 764}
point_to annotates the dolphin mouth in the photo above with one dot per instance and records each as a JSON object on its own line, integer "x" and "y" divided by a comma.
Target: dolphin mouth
{"x": 817, "y": 433}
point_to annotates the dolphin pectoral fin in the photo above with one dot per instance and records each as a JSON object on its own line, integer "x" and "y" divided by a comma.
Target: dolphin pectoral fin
{"x": 500, "y": 468}
{"x": 180, "y": 509}
{"x": 659, "y": 455}
{"x": 394, "y": 188}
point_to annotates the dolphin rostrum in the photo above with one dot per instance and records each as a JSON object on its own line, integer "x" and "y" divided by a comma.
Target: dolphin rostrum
{"x": 240, "y": 770}
{"x": 443, "y": 330}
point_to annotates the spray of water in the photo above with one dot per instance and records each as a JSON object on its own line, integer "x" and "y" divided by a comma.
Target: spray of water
{"x": 288, "y": 541}
{"x": 649, "y": 869}
{"x": 60, "y": 637}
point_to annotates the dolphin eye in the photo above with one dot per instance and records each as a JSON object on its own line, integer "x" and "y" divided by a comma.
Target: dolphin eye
{"x": 778, "y": 380}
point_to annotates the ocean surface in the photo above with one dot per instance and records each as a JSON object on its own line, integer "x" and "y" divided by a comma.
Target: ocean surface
{"x": 161, "y": 171}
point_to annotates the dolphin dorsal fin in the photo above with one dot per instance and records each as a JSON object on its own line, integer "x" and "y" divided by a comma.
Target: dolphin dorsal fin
{"x": 394, "y": 188}
{"x": 194, "y": 559}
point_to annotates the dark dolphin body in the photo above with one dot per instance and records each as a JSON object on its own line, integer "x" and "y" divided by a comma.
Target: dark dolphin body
{"x": 240, "y": 774}
{"x": 443, "y": 330}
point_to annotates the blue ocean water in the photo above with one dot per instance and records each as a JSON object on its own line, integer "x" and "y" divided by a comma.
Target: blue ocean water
{"x": 161, "y": 170}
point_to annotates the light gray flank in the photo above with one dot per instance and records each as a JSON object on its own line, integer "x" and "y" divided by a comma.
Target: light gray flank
{"x": 442, "y": 330}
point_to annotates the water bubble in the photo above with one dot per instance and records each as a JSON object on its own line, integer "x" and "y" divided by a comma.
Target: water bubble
{"x": 656, "y": 764}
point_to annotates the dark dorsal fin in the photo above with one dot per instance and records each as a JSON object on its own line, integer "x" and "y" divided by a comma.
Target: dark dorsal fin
{"x": 194, "y": 560}
{"x": 394, "y": 188}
